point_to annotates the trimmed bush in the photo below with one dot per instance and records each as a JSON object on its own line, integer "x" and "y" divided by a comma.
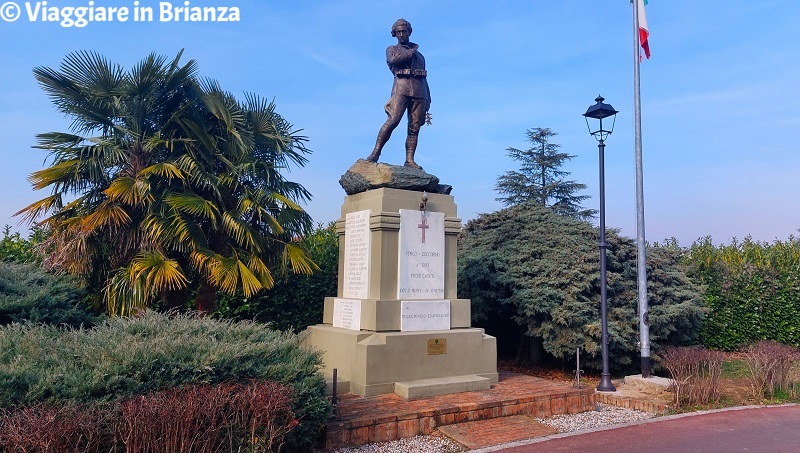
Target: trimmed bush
{"x": 28, "y": 293}
{"x": 123, "y": 357}
{"x": 752, "y": 290}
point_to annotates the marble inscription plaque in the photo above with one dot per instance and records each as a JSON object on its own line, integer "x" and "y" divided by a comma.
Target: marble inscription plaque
{"x": 356, "y": 255}
{"x": 420, "y": 315}
{"x": 420, "y": 255}
{"x": 347, "y": 313}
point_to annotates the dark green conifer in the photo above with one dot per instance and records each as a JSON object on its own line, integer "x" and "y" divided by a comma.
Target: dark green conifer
{"x": 539, "y": 269}
{"x": 540, "y": 178}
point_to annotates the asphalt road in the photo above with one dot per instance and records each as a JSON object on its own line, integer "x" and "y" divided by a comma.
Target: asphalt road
{"x": 750, "y": 429}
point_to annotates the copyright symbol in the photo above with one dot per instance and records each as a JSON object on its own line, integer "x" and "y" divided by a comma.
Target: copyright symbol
{"x": 10, "y": 11}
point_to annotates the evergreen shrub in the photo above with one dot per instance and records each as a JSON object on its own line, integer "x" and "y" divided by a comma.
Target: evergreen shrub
{"x": 529, "y": 266}
{"x": 123, "y": 357}
{"x": 29, "y": 293}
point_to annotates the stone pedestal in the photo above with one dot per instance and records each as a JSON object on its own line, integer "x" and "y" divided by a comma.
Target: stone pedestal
{"x": 380, "y": 358}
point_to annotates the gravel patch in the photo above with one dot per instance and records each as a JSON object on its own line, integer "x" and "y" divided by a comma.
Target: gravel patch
{"x": 418, "y": 444}
{"x": 605, "y": 415}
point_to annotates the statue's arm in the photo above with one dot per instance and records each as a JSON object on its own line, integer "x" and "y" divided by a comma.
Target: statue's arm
{"x": 398, "y": 54}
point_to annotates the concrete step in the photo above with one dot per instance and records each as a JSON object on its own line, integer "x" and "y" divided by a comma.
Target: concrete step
{"x": 652, "y": 383}
{"x": 424, "y": 388}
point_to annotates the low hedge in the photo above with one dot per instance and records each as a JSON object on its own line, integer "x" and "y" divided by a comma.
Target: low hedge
{"x": 123, "y": 357}
{"x": 752, "y": 291}
{"x": 29, "y": 293}
{"x": 253, "y": 417}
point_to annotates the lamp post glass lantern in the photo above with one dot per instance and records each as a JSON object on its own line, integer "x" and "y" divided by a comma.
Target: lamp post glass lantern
{"x": 599, "y": 111}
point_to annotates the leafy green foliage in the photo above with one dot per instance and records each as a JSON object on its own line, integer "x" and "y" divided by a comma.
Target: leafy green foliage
{"x": 540, "y": 178}
{"x": 296, "y": 301}
{"x": 122, "y": 357}
{"x": 29, "y": 293}
{"x": 676, "y": 309}
{"x": 541, "y": 270}
{"x": 752, "y": 291}
{"x": 169, "y": 176}
{"x": 16, "y": 249}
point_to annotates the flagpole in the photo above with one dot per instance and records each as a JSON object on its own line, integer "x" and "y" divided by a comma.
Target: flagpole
{"x": 641, "y": 261}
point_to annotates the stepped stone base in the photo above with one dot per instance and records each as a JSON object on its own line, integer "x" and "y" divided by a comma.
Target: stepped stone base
{"x": 375, "y": 363}
{"x": 390, "y": 417}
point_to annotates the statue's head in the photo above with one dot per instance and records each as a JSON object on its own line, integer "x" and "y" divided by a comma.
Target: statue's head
{"x": 398, "y": 23}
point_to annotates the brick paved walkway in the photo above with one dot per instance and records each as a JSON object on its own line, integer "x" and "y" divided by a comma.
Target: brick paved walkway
{"x": 496, "y": 431}
{"x": 391, "y": 417}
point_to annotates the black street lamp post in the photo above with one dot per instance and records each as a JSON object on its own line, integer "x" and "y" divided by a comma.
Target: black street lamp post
{"x": 600, "y": 111}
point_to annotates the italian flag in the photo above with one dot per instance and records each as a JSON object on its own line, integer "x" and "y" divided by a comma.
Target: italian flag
{"x": 644, "y": 33}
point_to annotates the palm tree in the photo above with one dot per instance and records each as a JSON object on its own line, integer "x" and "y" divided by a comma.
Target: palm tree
{"x": 166, "y": 185}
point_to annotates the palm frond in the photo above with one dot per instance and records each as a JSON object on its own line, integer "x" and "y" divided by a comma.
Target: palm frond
{"x": 192, "y": 204}
{"x": 227, "y": 273}
{"x": 130, "y": 191}
{"x": 163, "y": 170}
{"x": 60, "y": 172}
{"x": 39, "y": 208}
{"x": 125, "y": 294}
{"x": 297, "y": 257}
{"x": 260, "y": 269}
{"x": 241, "y": 231}
{"x": 159, "y": 272}
{"x": 108, "y": 215}
{"x": 249, "y": 282}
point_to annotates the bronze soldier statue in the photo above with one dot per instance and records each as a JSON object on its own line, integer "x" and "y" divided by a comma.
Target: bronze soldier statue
{"x": 409, "y": 93}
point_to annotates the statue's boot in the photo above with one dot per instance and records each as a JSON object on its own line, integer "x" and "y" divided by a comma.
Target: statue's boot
{"x": 374, "y": 156}
{"x": 410, "y": 160}
{"x": 411, "y": 149}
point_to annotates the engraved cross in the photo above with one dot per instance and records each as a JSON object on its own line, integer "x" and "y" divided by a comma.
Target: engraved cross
{"x": 423, "y": 226}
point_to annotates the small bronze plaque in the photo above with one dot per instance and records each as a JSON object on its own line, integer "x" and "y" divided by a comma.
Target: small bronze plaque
{"x": 437, "y": 346}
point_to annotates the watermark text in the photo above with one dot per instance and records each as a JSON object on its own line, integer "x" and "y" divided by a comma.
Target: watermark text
{"x": 92, "y": 12}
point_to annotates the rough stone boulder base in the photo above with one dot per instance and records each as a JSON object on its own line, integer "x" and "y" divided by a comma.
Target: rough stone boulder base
{"x": 365, "y": 175}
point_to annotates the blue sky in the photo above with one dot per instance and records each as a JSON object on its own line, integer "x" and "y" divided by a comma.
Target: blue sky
{"x": 720, "y": 96}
